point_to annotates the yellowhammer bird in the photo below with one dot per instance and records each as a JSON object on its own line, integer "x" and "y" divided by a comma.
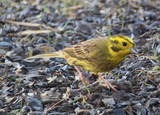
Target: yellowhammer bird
{"x": 97, "y": 55}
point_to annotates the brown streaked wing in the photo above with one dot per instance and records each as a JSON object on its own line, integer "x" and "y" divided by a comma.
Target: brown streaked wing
{"x": 88, "y": 50}
{"x": 80, "y": 51}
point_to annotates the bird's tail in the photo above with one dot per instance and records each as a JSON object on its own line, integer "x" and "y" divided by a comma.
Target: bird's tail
{"x": 58, "y": 54}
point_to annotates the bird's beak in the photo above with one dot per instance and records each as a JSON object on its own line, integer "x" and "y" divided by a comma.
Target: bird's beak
{"x": 133, "y": 51}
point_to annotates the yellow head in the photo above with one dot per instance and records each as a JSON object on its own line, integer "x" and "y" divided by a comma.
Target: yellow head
{"x": 120, "y": 46}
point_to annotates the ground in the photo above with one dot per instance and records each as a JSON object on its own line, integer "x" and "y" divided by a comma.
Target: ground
{"x": 51, "y": 86}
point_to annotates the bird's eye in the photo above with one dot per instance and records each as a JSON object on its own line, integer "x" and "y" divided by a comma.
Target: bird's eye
{"x": 124, "y": 43}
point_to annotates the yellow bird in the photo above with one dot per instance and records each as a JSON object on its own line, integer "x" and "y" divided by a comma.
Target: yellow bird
{"x": 97, "y": 55}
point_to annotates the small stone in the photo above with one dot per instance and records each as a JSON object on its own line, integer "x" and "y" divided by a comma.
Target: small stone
{"x": 5, "y": 45}
{"x": 150, "y": 88}
{"x": 138, "y": 106}
{"x": 157, "y": 80}
{"x": 94, "y": 112}
{"x": 108, "y": 101}
{"x": 26, "y": 109}
{"x": 127, "y": 86}
{"x": 119, "y": 112}
{"x": 153, "y": 101}
{"x": 59, "y": 113}
{"x": 2, "y": 52}
{"x": 34, "y": 103}
{"x": 135, "y": 65}
{"x": 19, "y": 51}
{"x": 126, "y": 103}
{"x": 144, "y": 111}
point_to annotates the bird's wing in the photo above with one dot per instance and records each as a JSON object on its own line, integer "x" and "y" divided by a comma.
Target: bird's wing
{"x": 83, "y": 50}
{"x": 87, "y": 50}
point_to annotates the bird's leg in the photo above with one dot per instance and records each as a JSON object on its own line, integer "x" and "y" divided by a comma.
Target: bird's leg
{"x": 84, "y": 80}
{"x": 108, "y": 85}
{"x": 96, "y": 81}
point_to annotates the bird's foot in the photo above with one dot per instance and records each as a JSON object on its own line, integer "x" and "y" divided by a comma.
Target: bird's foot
{"x": 107, "y": 84}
